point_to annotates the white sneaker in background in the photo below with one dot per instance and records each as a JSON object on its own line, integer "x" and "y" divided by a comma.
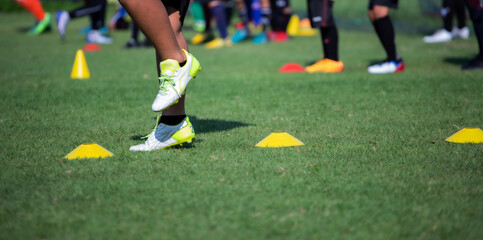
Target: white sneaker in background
{"x": 439, "y": 36}
{"x": 463, "y": 33}
{"x": 62, "y": 18}
{"x": 95, "y": 36}
{"x": 387, "y": 67}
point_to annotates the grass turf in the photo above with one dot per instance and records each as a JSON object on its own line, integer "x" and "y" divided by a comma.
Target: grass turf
{"x": 374, "y": 166}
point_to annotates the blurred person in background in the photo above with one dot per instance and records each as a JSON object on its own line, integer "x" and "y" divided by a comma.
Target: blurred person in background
{"x": 262, "y": 15}
{"x": 42, "y": 18}
{"x": 216, "y": 10}
{"x": 281, "y": 16}
{"x": 321, "y": 17}
{"x": 265, "y": 19}
{"x": 451, "y": 8}
{"x": 121, "y": 20}
{"x": 202, "y": 16}
{"x": 382, "y": 23}
{"x": 96, "y": 10}
{"x": 243, "y": 31}
{"x": 475, "y": 8}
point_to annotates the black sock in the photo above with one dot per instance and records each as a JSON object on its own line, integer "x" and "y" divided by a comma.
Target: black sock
{"x": 330, "y": 42}
{"x": 459, "y": 10}
{"x": 447, "y": 14}
{"x": 134, "y": 31}
{"x": 172, "y": 120}
{"x": 385, "y": 32}
{"x": 181, "y": 64}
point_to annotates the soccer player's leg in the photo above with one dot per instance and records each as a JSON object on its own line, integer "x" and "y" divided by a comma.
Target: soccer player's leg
{"x": 475, "y": 8}
{"x": 379, "y": 16}
{"x": 320, "y": 14}
{"x": 42, "y": 18}
{"x": 98, "y": 17}
{"x": 175, "y": 69}
{"x": 218, "y": 12}
{"x": 444, "y": 34}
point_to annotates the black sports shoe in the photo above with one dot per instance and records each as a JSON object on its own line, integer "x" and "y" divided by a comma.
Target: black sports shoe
{"x": 474, "y": 63}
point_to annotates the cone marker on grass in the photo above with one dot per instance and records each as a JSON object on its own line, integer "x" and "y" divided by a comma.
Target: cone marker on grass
{"x": 89, "y": 150}
{"x": 280, "y": 139}
{"x": 467, "y": 135}
{"x": 80, "y": 69}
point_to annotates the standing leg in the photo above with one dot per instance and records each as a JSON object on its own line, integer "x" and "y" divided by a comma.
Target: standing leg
{"x": 445, "y": 34}
{"x": 42, "y": 18}
{"x": 462, "y": 31}
{"x": 379, "y": 16}
{"x": 218, "y": 13}
{"x": 475, "y": 8}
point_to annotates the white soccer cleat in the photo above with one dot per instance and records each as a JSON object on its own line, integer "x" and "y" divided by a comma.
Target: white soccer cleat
{"x": 439, "y": 36}
{"x": 387, "y": 67}
{"x": 174, "y": 80}
{"x": 62, "y": 18}
{"x": 165, "y": 136}
{"x": 95, "y": 36}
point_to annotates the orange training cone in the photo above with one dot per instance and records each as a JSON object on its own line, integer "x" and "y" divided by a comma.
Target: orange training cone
{"x": 91, "y": 47}
{"x": 80, "y": 70}
{"x": 291, "y": 68}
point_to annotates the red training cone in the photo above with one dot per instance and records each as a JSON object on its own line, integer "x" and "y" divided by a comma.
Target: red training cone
{"x": 91, "y": 47}
{"x": 291, "y": 67}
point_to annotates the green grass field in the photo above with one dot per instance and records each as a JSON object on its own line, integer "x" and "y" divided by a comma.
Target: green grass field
{"x": 374, "y": 165}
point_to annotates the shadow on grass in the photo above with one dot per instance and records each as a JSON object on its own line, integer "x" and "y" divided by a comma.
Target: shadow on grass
{"x": 456, "y": 60}
{"x": 215, "y": 125}
{"x": 26, "y": 29}
{"x": 206, "y": 126}
{"x": 376, "y": 61}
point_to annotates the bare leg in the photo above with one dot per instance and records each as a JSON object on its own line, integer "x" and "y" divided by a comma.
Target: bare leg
{"x": 378, "y": 12}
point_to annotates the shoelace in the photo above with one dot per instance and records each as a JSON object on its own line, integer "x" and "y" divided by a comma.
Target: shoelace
{"x": 164, "y": 80}
{"x": 154, "y": 129}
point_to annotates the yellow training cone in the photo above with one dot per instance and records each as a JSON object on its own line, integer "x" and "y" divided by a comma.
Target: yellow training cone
{"x": 467, "y": 135}
{"x": 293, "y": 25}
{"x": 89, "y": 150}
{"x": 80, "y": 70}
{"x": 281, "y": 139}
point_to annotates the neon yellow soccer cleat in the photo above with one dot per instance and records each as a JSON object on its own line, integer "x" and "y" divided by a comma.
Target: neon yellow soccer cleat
{"x": 165, "y": 136}
{"x": 174, "y": 80}
{"x": 42, "y": 25}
